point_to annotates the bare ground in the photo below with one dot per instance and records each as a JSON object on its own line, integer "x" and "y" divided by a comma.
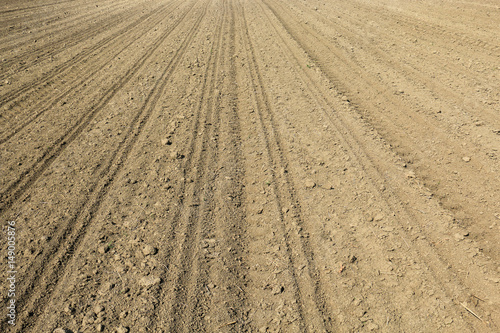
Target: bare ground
{"x": 251, "y": 166}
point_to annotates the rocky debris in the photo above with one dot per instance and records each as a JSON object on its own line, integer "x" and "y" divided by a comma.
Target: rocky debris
{"x": 208, "y": 243}
{"x": 328, "y": 186}
{"x": 309, "y": 183}
{"x": 278, "y": 289}
{"x": 149, "y": 250}
{"x": 62, "y": 330}
{"x": 98, "y": 309}
{"x": 460, "y": 235}
{"x": 175, "y": 155}
{"x": 103, "y": 249}
{"x": 105, "y": 288}
{"x": 149, "y": 281}
{"x": 122, "y": 329}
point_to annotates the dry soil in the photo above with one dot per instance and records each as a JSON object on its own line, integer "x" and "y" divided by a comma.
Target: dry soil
{"x": 251, "y": 165}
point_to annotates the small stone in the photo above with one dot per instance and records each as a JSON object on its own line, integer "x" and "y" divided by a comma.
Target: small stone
{"x": 278, "y": 289}
{"x": 105, "y": 288}
{"x": 62, "y": 330}
{"x": 448, "y": 320}
{"x": 149, "y": 281}
{"x": 103, "y": 249}
{"x": 149, "y": 250}
{"x": 309, "y": 183}
{"x": 378, "y": 217}
{"x": 122, "y": 329}
{"x": 98, "y": 309}
{"x": 458, "y": 237}
{"x": 466, "y": 159}
{"x": 100, "y": 327}
{"x": 328, "y": 186}
{"x": 372, "y": 327}
{"x": 68, "y": 309}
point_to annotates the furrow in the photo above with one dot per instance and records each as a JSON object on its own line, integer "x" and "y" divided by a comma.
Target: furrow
{"x": 312, "y": 306}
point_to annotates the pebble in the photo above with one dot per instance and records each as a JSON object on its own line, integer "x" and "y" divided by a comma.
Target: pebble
{"x": 98, "y": 309}
{"x": 62, "y": 330}
{"x": 278, "y": 289}
{"x": 328, "y": 186}
{"x": 123, "y": 329}
{"x": 466, "y": 159}
{"x": 378, "y": 217}
{"x": 68, "y": 309}
{"x": 100, "y": 327}
{"x": 149, "y": 281}
{"x": 309, "y": 183}
{"x": 103, "y": 249}
{"x": 372, "y": 327}
{"x": 106, "y": 287}
{"x": 149, "y": 250}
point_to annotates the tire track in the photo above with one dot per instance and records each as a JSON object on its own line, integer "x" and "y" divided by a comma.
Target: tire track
{"x": 17, "y": 188}
{"x": 312, "y": 307}
{"x": 52, "y": 101}
{"x": 201, "y": 215}
{"x": 32, "y": 300}
{"x": 230, "y": 225}
{"x": 193, "y": 217}
{"x": 210, "y": 213}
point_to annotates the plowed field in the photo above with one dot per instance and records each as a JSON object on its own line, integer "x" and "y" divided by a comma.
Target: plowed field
{"x": 250, "y": 165}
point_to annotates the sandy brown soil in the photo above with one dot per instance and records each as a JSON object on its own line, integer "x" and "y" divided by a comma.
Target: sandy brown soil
{"x": 250, "y": 165}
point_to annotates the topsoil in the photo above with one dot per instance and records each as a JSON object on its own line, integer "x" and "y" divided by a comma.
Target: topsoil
{"x": 250, "y": 165}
